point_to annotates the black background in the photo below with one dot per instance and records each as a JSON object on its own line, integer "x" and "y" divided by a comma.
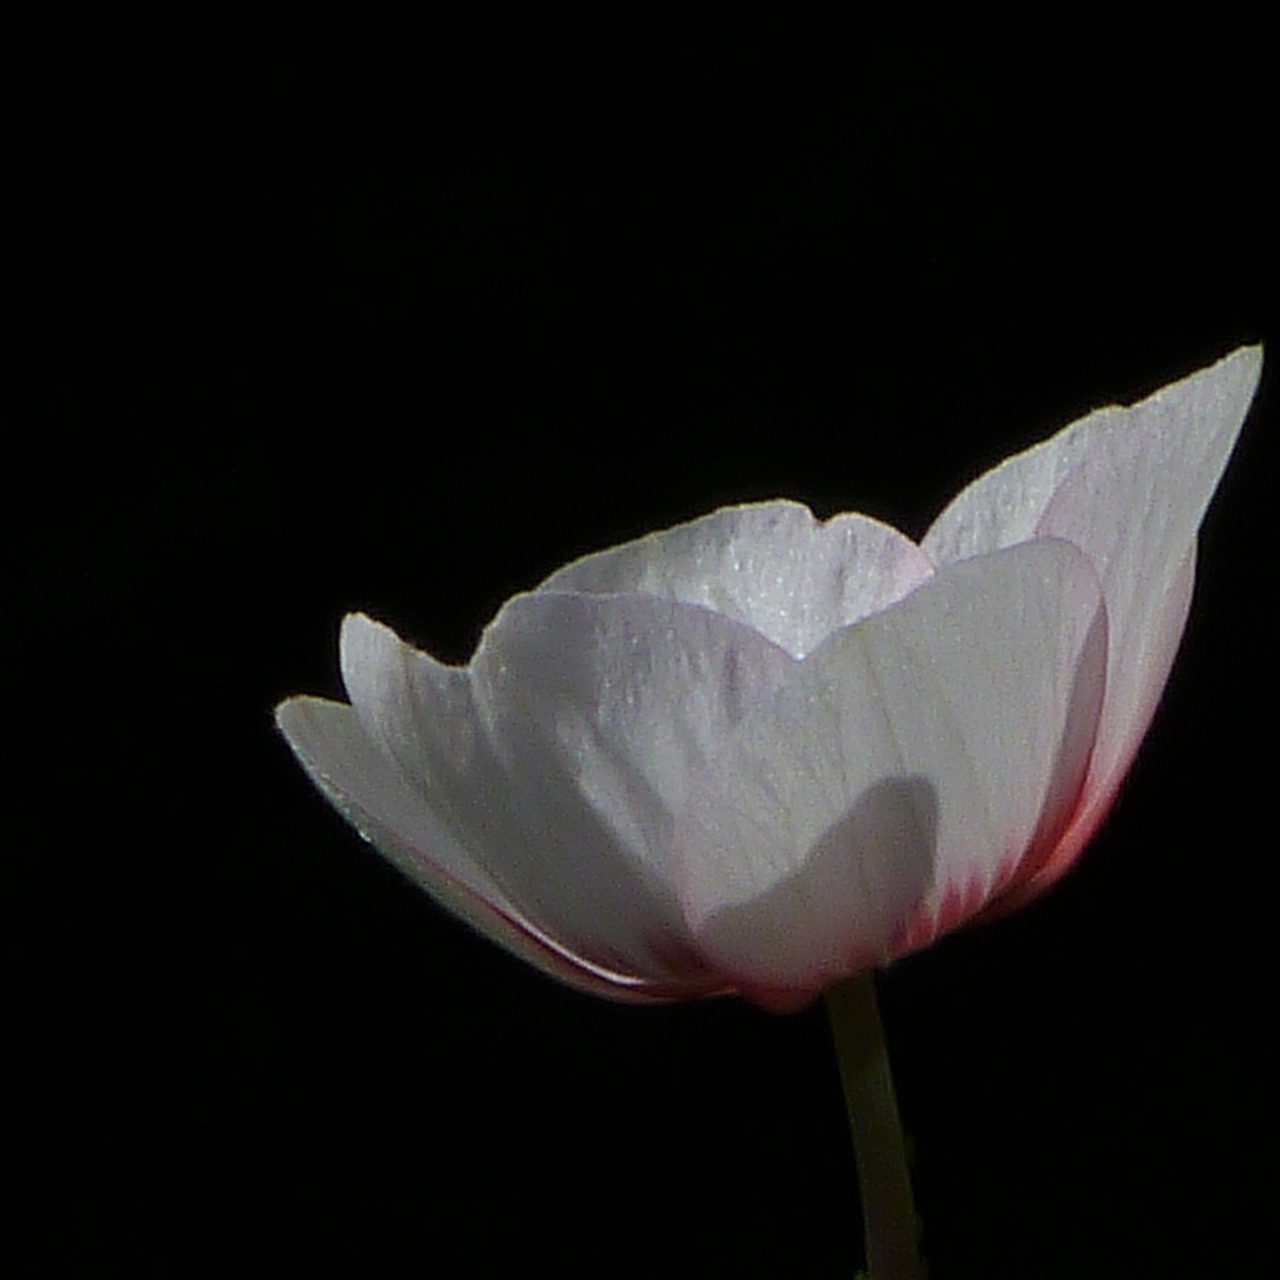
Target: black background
{"x": 401, "y": 316}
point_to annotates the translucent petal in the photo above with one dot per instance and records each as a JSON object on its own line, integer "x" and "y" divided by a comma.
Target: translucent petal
{"x": 557, "y": 758}
{"x": 1035, "y": 876}
{"x": 368, "y": 790}
{"x": 769, "y": 565}
{"x": 1130, "y": 488}
{"x": 897, "y": 779}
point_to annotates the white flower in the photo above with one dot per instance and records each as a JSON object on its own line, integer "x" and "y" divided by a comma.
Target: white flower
{"x": 758, "y": 753}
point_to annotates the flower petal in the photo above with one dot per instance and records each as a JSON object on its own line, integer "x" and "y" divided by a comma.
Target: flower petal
{"x": 899, "y": 776}
{"x": 1130, "y": 488}
{"x": 557, "y": 758}
{"x": 368, "y": 790}
{"x": 770, "y": 565}
{"x": 1184, "y": 433}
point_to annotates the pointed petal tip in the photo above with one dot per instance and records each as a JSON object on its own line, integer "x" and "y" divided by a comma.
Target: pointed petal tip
{"x": 282, "y": 713}
{"x": 356, "y": 625}
{"x": 1251, "y": 355}
{"x": 1251, "y": 360}
{"x": 1240, "y": 369}
{"x": 293, "y": 716}
{"x": 288, "y": 712}
{"x": 1246, "y": 362}
{"x": 364, "y": 641}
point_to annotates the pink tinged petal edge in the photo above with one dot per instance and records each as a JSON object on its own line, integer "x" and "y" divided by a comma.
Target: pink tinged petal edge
{"x": 771, "y": 566}
{"x": 894, "y": 783}
{"x": 1039, "y": 873}
{"x": 361, "y": 782}
{"x": 1129, "y": 486}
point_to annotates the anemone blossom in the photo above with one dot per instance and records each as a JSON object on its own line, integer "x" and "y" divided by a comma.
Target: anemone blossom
{"x": 759, "y": 753}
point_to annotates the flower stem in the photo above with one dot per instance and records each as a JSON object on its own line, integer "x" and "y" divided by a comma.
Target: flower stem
{"x": 888, "y": 1211}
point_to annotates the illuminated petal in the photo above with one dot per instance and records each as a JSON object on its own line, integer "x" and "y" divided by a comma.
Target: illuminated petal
{"x": 1129, "y": 487}
{"x": 369, "y": 791}
{"x": 899, "y": 775}
{"x": 556, "y": 760}
{"x": 770, "y": 565}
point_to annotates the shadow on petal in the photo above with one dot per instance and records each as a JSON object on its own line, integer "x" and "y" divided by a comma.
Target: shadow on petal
{"x": 1073, "y": 809}
{"x": 837, "y": 910}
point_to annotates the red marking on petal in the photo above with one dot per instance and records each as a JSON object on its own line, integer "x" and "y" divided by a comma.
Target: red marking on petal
{"x": 1038, "y": 875}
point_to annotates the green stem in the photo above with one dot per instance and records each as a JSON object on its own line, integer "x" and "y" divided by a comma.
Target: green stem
{"x": 888, "y": 1211}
